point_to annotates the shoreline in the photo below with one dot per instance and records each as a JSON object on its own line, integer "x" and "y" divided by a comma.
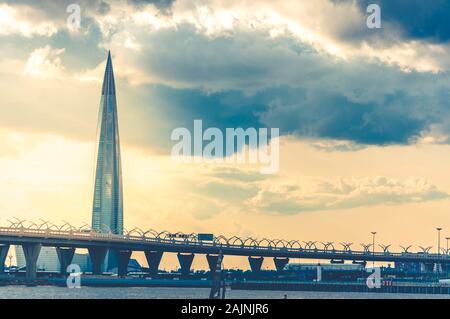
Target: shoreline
{"x": 105, "y": 282}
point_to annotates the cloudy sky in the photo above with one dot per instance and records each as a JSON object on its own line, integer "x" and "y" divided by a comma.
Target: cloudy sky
{"x": 363, "y": 114}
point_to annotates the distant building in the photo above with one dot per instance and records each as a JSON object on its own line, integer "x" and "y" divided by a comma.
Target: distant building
{"x": 133, "y": 266}
{"x": 410, "y": 267}
{"x": 107, "y": 210}
{"x": 327, "y": 272}
{"x": 83, "y": 261}
{"x": 336, "y": 267}
{"x": 48, "y": 260}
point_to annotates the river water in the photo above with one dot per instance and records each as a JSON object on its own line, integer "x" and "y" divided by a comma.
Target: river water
{"x": 51, "y": 292}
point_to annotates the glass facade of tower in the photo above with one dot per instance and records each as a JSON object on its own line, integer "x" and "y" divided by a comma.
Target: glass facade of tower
{"x": 107, "y": 212}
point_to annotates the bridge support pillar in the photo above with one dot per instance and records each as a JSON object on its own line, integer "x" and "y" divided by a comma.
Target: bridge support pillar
{"x": 65, "y": 256}
{"x": 185, "y": 263}
{"x": 97, "y": 255}
{"x": 255, "y": 263}
{"x": 31, "y": 252}
{"x": 280, "y": 263}
{"x": 153, "y": 260}
{"x": 123, "y": 258}
{"x": 212, "y": 262}
{"x": 3, "y": 254}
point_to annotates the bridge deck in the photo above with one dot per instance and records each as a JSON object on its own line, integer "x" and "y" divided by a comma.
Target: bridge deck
{"x": 80, "y": 239}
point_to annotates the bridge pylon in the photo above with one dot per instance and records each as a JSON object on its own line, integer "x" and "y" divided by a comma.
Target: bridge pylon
{"x": 153, "y": 260}
{"x": 65, "y": 256}
{"x": 217, "y": 280}
{"x": 97, "y": 255}
{"x": 255, "y": 263}
{"x": 123, "y": 258}
{"x": 212, "y": 262}
{"x": 3, "y": 254}
{"x": 31, "y": 252}
{"x": 185, "y": 263}
{"x": 280, "y": 263}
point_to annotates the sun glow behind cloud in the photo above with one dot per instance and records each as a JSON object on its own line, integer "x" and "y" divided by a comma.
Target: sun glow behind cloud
{"x": 45, "y": 62}
{"x": 15, "y": 21}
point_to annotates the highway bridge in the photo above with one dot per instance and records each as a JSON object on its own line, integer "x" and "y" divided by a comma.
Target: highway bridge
{"x": 66, "y": 238}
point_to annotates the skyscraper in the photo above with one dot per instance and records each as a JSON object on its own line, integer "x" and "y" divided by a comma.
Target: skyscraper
{"x": 107, "y": 211}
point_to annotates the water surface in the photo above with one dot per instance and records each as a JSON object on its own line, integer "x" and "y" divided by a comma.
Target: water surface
{"x": 51, "y": 292}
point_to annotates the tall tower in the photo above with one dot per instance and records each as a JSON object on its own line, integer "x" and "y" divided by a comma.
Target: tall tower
{"x": 107, "y": 211}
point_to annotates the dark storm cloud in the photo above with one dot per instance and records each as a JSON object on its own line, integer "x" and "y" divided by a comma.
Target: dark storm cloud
{"x": 157, "y": 3}
{"x": 85, "y": 45}
{"x": 250, "y": 80}
{"x": 416, "y": 19}
{"x": 399, "y": 118}
{"x": 179, "y": 108}
{"x": 337, "y": 117}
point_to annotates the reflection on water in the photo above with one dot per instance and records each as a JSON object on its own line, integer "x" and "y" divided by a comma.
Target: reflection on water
{"x": 50, "y": 292}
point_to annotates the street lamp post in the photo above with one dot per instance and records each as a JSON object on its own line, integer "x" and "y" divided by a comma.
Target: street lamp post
{"x": 439, "y": 239}
{"x": 439, "y": 248}
{"x": 373, "y": 248}
{"x": 446, "y": 249}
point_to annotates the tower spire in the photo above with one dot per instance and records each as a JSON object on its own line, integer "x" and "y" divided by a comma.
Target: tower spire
{"x": 109, "y": 86}
{"x": 107, "y": 211}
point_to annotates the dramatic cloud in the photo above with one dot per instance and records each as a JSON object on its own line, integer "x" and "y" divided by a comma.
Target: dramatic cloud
{"x": 235, "y": 64}
{"x": 427, "y": 20}
{"x": 247, "y": 191}
{"x": 286, "y": 81}
{"x": 322, "y": 194}
{"x": 21, "y": 21}
{"x": 45, "y": 63}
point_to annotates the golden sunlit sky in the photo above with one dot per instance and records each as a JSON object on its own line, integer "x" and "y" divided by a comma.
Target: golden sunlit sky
{"x": 363, "y": 115}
